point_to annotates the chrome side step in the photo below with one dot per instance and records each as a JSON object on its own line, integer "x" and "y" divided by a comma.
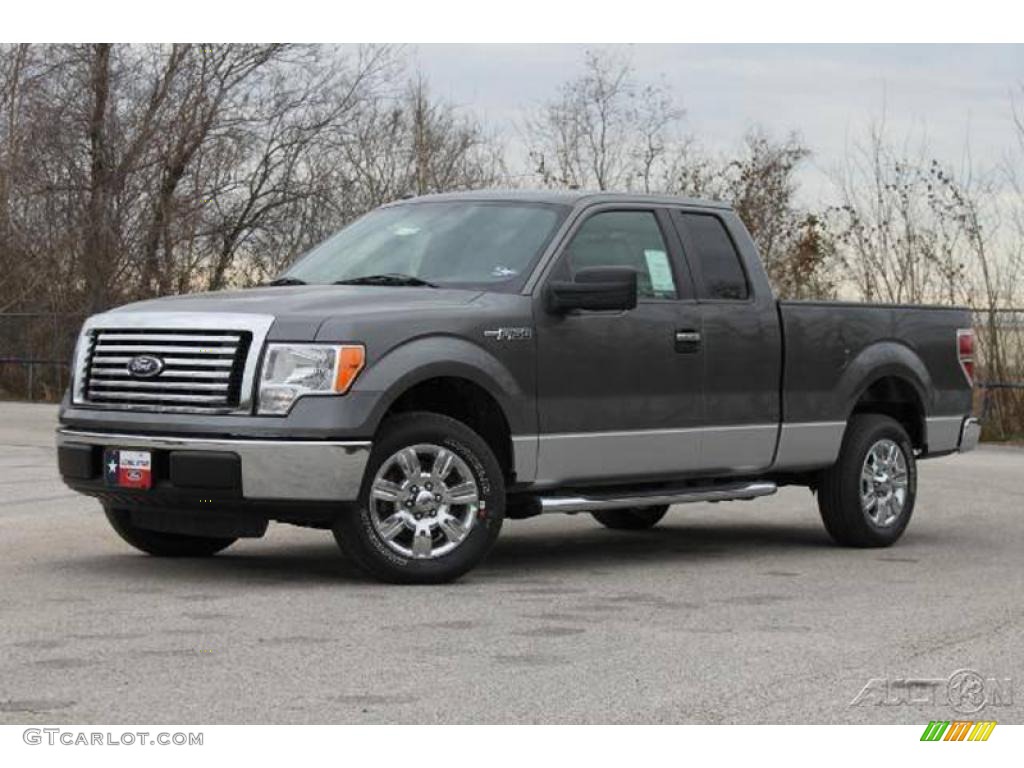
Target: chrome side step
{"x": 594, "y": 501}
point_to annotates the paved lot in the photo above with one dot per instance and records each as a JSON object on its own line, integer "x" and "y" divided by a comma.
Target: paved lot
{"x": 734, "y": 613}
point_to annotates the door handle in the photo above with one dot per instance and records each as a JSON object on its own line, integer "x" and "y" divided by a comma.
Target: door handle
{"x": 688, "y": 340}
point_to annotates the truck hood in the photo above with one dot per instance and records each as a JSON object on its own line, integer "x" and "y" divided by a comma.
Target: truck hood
{"x": 300, "y": 310}
{"x": 308, "y": 300}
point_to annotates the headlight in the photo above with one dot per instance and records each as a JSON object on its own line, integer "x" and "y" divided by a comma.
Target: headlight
{"x": 293, "y": 370}
{"x": 76, "y": 380}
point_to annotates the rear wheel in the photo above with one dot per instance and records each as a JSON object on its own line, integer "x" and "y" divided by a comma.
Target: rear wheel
{"x": 431, "y": 505}
{"x": 632, "y": 518}
{"x": 162, "y": 544}
{"x": 867, "y": 497}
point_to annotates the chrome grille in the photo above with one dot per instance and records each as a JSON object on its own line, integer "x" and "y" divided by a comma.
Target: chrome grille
{"x": 202, "y": 369}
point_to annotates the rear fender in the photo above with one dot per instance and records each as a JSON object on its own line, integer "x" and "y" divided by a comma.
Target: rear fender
{"x": 878, "y": 361}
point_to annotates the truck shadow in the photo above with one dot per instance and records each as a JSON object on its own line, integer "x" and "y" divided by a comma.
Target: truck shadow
{"x": 517, "y": 551}
{"x": 283, "y": 565}
{"x": 667, "y": 543}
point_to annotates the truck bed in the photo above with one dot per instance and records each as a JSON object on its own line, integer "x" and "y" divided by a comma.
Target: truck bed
{"x": 833, "y": 350}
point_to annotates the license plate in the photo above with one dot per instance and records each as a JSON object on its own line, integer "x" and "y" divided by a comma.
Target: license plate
{"x": 128, "y": 469}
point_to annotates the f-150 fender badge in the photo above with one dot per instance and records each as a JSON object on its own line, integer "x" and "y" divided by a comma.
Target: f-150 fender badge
{"x": 509, "y": 334}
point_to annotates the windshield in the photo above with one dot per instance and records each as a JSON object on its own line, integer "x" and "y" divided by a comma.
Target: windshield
{"x": 491, "y": 245}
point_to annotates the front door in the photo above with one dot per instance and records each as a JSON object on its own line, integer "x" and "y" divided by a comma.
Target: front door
{"x": 621, "y": 394}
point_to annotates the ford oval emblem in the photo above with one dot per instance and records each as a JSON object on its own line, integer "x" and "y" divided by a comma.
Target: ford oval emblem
{"x": 145, "y": 366}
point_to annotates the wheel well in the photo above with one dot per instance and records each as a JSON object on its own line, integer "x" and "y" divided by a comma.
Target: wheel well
{"x": 897, "y": 398}
{"x": 465, "y": 401}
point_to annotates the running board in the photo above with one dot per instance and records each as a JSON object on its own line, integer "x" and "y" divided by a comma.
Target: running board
{"x": 595, "y": 501}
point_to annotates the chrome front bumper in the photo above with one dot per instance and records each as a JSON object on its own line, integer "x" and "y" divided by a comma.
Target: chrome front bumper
{"x": 970, "y": 433}
{"x": 297, "y": 470}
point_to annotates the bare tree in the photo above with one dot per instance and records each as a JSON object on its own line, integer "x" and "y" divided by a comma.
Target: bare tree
{"x": 604, "y": 130}
{"x": 759, "y": 180}
{"x": 134, "y": 171}
{"x": 411, "y": 144}
{"x": 913, "y": 230}
{"x": 607, "y": 130}
{"x": 15, "y": 78}
{"x": 284, "y": 132}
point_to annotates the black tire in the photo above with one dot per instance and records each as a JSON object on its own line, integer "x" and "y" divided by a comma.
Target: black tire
{"x": 631, "y": 519}
{"x": 367, "y": 548}
{"x": 839, "y": 492}
{"x": 163, "y": 544}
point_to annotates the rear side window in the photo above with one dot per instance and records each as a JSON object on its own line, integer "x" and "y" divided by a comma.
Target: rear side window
{"x": 717, "y": 258}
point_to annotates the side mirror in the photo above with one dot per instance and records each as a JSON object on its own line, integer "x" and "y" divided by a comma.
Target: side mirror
{"x": 594, "y": 289}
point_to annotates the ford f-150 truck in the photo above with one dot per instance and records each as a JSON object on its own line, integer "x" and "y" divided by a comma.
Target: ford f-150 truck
{"x": 449, "y": 361}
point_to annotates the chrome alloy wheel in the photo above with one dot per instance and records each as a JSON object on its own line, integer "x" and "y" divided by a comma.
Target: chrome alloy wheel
{"x": 884, "y": 483}
{"x": 424, "y": 501}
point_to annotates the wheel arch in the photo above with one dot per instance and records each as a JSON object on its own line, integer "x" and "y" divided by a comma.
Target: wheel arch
{"x": 452, "y": 377}
{"x": 890, "y": 379}
{"x": 467, "y": 402}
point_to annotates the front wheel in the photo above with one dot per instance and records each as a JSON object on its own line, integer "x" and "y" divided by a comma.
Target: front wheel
{"x": 431, "y": 505}
{"x": 867, "y": 497}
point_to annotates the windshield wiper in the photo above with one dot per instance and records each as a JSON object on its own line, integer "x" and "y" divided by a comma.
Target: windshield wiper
{"x": 287, "y": 281}
{"x": 391, "y": 278}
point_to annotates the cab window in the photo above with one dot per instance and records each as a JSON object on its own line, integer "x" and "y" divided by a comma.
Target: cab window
{"x": 720, "y": 267}
{"x": 625, "y": 239}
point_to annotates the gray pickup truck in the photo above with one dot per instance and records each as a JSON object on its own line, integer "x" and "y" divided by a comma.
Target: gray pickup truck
{"x": 450, "y": 361}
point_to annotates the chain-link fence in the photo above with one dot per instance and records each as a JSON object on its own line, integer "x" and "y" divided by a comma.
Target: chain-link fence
{"x": 1000, "y": 372}
{"x": 36, "y": 348}
{"x": 35, "y": 354}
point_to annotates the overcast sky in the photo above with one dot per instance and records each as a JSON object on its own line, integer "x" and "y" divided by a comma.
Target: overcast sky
{"x": 958, "y": 96}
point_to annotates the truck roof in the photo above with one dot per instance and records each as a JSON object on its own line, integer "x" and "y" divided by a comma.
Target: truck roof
{"x": 564, "y": 197}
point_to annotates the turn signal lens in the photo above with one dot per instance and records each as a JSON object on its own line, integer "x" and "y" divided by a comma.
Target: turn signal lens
{"x": 351, "y": 360}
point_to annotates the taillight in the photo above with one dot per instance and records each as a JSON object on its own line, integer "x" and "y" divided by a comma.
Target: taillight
{"x": 965, "y": 352}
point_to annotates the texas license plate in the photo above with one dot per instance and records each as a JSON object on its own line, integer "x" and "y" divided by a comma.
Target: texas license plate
{"x": 128, "y": 469}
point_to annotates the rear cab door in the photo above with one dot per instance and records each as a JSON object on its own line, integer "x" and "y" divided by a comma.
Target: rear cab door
{"x": 741, "y": 341}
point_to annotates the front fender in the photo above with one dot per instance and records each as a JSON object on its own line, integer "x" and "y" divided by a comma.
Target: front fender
{"x": 430, "y": 357}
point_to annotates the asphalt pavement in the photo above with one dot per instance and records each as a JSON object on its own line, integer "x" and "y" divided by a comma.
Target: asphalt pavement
{"x": 739, "y": 612}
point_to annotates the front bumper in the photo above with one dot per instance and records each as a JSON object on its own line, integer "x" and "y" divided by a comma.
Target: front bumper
{"x": 244, "y": 469}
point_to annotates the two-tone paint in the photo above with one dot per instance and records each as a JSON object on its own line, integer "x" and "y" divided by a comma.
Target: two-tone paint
{"x": 675, "y": 389}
